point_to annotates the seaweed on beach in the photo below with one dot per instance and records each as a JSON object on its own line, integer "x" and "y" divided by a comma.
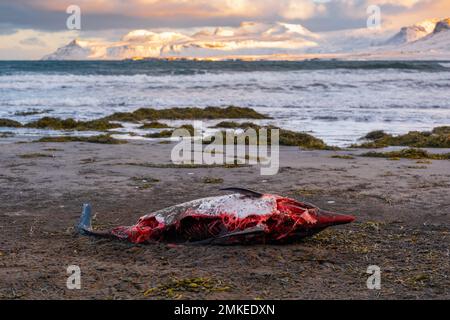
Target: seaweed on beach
{"x": 143, "y": 182}
{"x": 212, "y": 180}
{"x": 231, "y": 112}
{"x": 189, "y": 128}
{"x": 286, "y": 137}
{"x": 185, "y": 165}
{"x": 441, "y": 130}
{"x": 375, "y": 135}
{"x": 169, "y": 133}
{"x": 102, "y": 139}
{"x": 303, "y": 140}
{"x": 35, "y": 155}
{"x": 235, "y": 125}
{"x": 9, "y": 123}
{"x": 438, "y": 138}
{"x": 161, "y": 134}
{"x": 178, "y": 288}
{"x": 343, "y": 157}
{"x": 71, "y": 124}
{"x": 411, "y": 153}
{"x": 154, "y": 125}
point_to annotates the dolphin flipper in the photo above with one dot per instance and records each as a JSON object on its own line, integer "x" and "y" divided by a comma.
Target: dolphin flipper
{"x": 245, "y": 192}
{"x": 224, "y": 239}
{"x": 249, "y": 231}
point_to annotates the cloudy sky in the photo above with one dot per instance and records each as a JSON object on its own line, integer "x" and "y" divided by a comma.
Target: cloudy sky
{"x": 30, "y": 29}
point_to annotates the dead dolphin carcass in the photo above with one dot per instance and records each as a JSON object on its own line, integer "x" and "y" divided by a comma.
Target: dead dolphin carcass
{"x": 243, "y": 217}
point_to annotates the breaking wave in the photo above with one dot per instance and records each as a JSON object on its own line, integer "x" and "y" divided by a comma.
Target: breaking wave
{"x": 162, "y": 67}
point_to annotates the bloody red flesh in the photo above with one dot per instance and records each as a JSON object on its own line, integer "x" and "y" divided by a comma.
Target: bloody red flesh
{"x": 286, "y": 220}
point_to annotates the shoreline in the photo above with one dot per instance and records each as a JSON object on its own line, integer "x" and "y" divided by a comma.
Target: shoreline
{"x": 144, "y": 123}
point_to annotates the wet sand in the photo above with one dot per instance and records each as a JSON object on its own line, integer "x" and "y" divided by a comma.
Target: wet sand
{"x": 402, "y": 209}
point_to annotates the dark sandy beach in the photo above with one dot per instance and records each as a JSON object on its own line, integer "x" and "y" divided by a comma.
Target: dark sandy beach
{"x": 402, "y": 209}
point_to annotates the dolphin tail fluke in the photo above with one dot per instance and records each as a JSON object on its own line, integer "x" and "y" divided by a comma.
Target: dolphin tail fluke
{"x": 84, "y": 227}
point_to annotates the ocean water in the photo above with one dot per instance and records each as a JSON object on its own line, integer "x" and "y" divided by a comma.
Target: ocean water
{"x": 334, "y": 100}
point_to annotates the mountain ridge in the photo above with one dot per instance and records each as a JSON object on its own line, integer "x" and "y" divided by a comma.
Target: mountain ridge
{"x": 256, "y": 40}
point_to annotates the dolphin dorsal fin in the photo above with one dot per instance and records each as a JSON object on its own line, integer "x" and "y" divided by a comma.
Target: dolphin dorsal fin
{"x": 245, "y": 192}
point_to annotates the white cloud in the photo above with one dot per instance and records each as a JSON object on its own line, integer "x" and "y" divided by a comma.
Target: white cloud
{"x": 301, "y": 9}
{"x": 400, "y": 3}
{"x": 31, "y": 44}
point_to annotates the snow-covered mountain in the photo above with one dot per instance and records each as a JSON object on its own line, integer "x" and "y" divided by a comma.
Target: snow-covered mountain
{"x": 73, "y": 51}
{"x": 250, "y": 38}
{"x": 438, "y": 41}
{"x": 428, "y": 39}
{"x": 353, "y": 40}
{"x": 413, "y": 33}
